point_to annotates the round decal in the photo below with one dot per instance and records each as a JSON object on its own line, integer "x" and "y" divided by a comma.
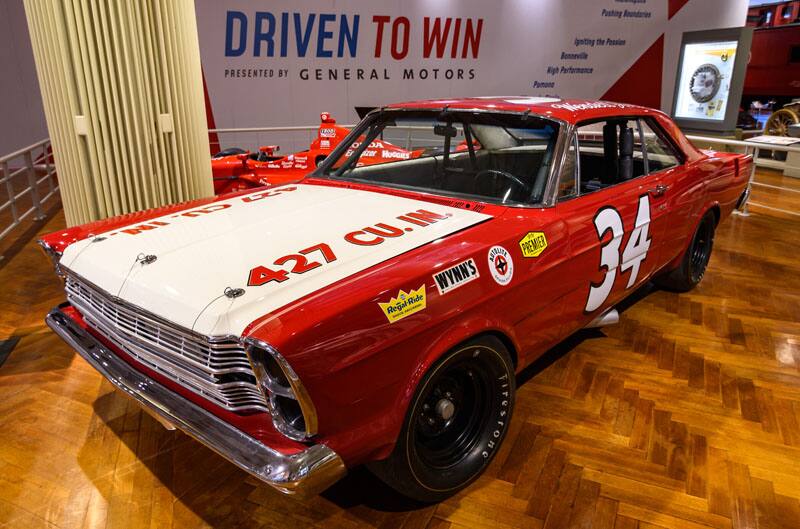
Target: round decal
{"x": 501, "y": 265}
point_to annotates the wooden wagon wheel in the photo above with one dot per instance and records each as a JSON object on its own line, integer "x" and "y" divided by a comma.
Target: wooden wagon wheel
{"x": 778, "y": 123}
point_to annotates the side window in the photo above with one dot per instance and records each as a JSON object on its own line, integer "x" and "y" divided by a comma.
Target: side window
{"x": 609, "y": 153}
{"x": 660, "y": 154}
{"x": 568, "y": 178}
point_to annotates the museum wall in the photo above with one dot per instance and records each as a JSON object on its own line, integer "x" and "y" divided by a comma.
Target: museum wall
{"x": 284, "y": 62}
{"x": 21, "y": 104}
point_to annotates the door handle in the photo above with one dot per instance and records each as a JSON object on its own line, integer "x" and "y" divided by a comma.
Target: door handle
{"x": 658, "y": 191}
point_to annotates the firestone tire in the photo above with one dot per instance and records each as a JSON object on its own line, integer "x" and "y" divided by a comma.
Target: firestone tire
{"x": 695, "y": 260}
{"x": 455, "y": 423}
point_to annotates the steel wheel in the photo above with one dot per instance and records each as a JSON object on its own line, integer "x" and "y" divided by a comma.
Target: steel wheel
{"x": 695, "y": 259}
{"x": 447, "y": 425}
{"x": 455, "y": 423}
{"x": 701, "y": 249}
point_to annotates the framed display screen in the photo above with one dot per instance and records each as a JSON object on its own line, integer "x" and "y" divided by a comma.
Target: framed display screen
{"x": 708, "y": 85}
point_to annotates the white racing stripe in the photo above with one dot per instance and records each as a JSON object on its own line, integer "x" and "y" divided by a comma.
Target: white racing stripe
{"x": 202, "y": 251}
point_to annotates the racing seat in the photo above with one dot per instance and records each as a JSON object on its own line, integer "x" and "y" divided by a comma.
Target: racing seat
{"x": 610, "y": 159}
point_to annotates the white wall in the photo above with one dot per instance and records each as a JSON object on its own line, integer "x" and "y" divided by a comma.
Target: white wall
{"x": 22, "y": 119}
{"x": 520, "y": 39}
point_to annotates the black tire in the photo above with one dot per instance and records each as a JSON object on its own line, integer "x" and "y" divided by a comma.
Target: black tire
{"x": 455, "y": 422}
{"x": 693, "y": 265}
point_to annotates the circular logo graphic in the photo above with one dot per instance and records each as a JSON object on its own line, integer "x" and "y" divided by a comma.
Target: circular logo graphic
{"x": 501, "y": 266}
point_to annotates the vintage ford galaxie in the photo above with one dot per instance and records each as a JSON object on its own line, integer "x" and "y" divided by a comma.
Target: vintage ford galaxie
{"x": 377, "y": 313}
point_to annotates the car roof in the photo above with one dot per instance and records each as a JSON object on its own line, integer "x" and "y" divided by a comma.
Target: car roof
{"x": 569, "y": 110}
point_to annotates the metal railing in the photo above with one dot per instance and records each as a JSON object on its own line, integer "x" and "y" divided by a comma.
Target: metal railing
{"x": 28, "y": 180}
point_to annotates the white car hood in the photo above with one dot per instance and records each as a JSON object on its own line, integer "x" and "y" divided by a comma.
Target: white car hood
{"x": 203, "y": 250}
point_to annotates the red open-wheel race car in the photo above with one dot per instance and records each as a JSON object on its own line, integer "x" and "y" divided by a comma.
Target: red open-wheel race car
{"x": 235, "y": 169}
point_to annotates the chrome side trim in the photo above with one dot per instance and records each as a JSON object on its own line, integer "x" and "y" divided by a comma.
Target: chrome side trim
{"x": 307, "y": 472}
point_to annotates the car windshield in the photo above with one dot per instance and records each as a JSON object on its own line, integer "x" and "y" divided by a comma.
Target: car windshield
{"x": 492, "y": 157}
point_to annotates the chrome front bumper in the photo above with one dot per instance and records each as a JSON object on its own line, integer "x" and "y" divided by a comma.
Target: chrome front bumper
{"x": 308, "y": 472}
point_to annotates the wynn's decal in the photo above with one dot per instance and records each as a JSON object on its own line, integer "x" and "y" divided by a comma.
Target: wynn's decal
{"x": 606, "y": 220}
{"x": 456, "y": 276}
{"x": 501, "y": 266}
{"x": 533, "y": 244}
{"x": 404, "y": 304}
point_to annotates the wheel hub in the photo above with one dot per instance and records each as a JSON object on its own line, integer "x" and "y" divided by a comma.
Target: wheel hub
{"x": 446, "y": 409}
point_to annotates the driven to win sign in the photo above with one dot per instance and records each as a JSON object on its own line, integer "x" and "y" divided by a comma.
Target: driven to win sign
{"x": 283, "y": 62}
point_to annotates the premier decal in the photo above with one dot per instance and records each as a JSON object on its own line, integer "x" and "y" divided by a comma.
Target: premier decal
{"x": 456, "y": 276}
{"x": 501, "y": 266}
{"x": 533, "y": 244}
{"x": 404, "y": 304}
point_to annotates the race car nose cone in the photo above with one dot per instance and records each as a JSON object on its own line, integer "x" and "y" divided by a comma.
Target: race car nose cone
{"x": 445, "y": 409}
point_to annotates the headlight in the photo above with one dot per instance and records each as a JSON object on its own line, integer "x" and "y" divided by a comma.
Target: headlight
{"x": 293, "y": 413}
{"x": 53, "y": 255}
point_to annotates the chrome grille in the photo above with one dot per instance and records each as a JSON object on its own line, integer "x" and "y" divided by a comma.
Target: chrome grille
{"x": 216, "y": 368}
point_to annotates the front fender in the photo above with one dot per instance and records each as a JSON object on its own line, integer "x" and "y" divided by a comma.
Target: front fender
{"x": 444, "y": 338}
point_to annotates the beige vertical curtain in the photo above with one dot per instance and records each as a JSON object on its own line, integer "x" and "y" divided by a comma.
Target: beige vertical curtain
{"x": 123, "y": 96}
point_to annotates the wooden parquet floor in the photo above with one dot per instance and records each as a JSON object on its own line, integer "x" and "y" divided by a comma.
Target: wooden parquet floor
{"x": 685, "y": 415}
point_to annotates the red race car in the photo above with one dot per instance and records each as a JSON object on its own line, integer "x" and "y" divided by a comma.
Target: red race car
{"x": 235, "y": 169}
{"x": 378, "y": 312}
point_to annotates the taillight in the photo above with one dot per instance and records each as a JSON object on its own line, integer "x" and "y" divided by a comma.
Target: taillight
{"x": 292, "y": 411}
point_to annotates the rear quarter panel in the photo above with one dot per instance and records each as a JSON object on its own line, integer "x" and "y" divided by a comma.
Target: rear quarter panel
{"x": 714, "y": 182}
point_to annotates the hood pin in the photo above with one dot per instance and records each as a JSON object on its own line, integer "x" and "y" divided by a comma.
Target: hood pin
{"x": 146, "y": 259}
{"x": 233, "y": 292}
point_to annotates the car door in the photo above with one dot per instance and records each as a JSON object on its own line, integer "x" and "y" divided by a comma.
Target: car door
{"x": 613, "y": 219}
{"x": 674, "y": 191}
